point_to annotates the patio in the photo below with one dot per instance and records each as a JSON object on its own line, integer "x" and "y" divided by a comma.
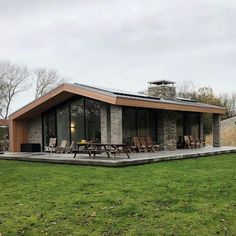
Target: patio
{"x": 119, "y": 161}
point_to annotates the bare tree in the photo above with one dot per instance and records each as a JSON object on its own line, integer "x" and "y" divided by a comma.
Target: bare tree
{"x": 187, "y": 89}
{"x": 1, "y": 94}
{"x": 13, "y": 79}
{"x": 45, "y": 80}
{"x": 229, "y": 101}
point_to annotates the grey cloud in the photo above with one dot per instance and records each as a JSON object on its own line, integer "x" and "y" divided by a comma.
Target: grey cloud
{"x": 124, "y": 43}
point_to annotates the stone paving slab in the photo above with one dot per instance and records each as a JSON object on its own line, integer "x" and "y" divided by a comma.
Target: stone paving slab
{"x": 122, "y": 160}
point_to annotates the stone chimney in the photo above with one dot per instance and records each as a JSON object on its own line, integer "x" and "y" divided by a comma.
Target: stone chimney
{"x": 162, "y": 89}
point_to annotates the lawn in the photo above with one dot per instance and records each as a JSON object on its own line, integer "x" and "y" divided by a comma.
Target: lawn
{"x": 187, "y": 197}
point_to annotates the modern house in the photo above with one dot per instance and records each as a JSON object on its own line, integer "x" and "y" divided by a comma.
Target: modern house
{"x": 80, "y": 112}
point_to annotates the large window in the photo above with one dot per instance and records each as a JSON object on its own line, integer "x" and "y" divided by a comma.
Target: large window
{"x": 49, "y": 127}
{"x": 93, "y": 120}
{"x": 77, "y": 120}
{"x": 188, "y": 123}
{"x": 129, "y": 124}
{"x": 63, "y": 124}
{"x": 180, "y": 125}
{"x": 139, "y": 122}
{"x": 195, "y": 124}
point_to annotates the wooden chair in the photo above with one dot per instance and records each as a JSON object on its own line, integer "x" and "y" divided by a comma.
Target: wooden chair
{"x": 187, "y": 143}
{"x": 71, "y": 148}
{"x": 63, "y": 147}
{"x": 51, "y": 146}
{"x": 196, "y": 142}
{"x": 155, "y": 147}
{"x": 137, "y": 145}
{"x": 143, "y": 143}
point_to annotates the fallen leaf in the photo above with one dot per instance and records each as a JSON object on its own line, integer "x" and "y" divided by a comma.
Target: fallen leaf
{"x": 94, "y": 214}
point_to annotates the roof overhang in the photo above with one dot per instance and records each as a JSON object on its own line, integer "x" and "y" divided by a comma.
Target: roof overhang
{"x": 67, "y": 91}
{"x": 169, "y": 106}
{"x": 55, "y": 97}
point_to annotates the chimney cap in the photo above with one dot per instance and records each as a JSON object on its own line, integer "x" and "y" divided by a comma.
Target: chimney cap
{"x": 162, "y": 82}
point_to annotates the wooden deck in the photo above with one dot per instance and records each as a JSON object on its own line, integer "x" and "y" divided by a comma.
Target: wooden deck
{"x": 119, "y": 161}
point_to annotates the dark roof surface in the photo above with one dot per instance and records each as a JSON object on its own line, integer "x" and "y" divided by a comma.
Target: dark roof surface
{"x": 138, "y": 96}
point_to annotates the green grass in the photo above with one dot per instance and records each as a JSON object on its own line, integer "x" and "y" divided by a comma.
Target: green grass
{"x": 188, "y": 197}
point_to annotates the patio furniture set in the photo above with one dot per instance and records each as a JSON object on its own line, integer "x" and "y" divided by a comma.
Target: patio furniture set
{"x": 191, "y": 142}
{"x": 140, "y": 144}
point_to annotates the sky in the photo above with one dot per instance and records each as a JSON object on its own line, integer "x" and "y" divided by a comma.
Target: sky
{"x": 123, "y": 43}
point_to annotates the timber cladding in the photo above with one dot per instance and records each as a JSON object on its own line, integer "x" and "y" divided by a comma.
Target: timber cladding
{"x": 18, "y": 131}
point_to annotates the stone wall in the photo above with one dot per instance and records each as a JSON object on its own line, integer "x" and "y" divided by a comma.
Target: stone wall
{"x": 105, "y": 124}
{"x": 166, "y": 131}
{"x": 35, "y": 131}
{"x": 116, "y": 124}
{"x": 216, "y": 130}
{"x": 162, "y": 91}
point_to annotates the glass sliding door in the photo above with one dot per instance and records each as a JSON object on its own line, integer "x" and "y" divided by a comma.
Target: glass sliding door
{"x": 187, "y": 123}
{"x": 152, "y": 124}
{"x": 142, "y": 122}
{"x": 180, "y": 129}
{"x": 180, "y": 125}
{"x": 93, "y": 120}
{"x": 49, "y": 127}
{"x": 129, "y": 124}
{"x": 63, "y": 124}
{"x": 77, "y": 120}
{"x": 139, "y": 122}
{"x": 195, "y": 125}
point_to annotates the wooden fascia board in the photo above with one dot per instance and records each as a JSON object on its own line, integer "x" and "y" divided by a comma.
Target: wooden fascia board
{"x": 37, "y": 102}
{"x": 114, "y": 100}
{"x": 63, "y": 88}
{"x": 91, "y": 94}
{"x": 167, "y": 106}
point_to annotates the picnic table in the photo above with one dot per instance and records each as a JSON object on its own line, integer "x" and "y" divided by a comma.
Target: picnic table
{"x": 99, "y": 148}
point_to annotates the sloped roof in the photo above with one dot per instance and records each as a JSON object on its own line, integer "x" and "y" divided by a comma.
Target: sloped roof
{"x": 111, "y": 96}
